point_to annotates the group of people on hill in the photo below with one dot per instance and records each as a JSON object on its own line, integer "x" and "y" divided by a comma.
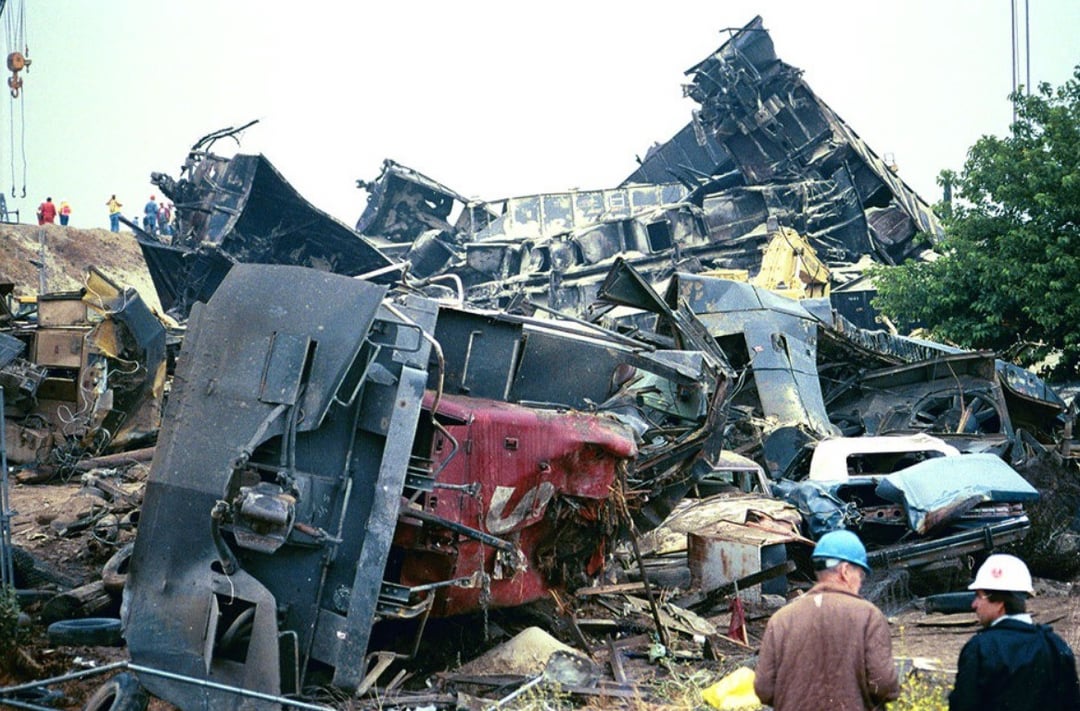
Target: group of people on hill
{"x": 157, "y": 217}
{"x": 47, "y": 212}
{"x": 831, "y": 649}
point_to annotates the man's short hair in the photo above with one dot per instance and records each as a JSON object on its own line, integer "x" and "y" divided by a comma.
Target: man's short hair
{"x": 1015, "y": 603}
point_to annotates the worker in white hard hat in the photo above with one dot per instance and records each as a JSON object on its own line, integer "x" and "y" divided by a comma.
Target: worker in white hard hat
{"x": 1012, "y": 663}
{"x": 829, "y": 649}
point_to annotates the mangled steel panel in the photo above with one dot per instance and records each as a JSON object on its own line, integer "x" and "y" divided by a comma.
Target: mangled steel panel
{"x": 541, "y": 478}
{"x": 241, "y": 210}
{"x": 273, "y": 496}
{"x": 941, "y": 492}
{"x": 670, "y": 399}
{"x": 688, "y": 157}
{"x": 403, "y": 204}
{"x": 826, "y": 211}
{"x": 551, "y": 214}
{"x": 957, "y": 397}
{"x": 182, "y": 276}
{"x": 778, "y": 343}
{"x": 507, "y": 357}
{"x": 1030, "y": 402}
{"x": 775, "y": 127}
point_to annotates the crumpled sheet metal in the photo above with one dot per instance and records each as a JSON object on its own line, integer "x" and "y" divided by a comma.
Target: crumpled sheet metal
{"x": 696, "y": 514}
{"x": 773, "y": 125}
{"x": 539, "y": 477}
{"x": 780, "y": 336}
{"x": 242, "y": 210}
{"x": 937, "y": 491}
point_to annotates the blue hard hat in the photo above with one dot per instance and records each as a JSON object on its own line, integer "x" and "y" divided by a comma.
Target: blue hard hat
{"x": 842, "y": 545}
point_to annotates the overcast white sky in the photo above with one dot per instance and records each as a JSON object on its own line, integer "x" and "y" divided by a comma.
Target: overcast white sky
{"x": 493, "y": 99}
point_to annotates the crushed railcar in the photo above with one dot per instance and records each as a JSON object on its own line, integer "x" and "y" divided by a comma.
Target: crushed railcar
{"x": 354, "y": 458}
{"x": 242, "y": 210}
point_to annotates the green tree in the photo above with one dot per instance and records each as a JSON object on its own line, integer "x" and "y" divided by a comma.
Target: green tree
{"x": 1008, "y": 274}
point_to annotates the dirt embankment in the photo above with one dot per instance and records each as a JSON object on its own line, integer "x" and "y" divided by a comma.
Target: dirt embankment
{"x": 67, "y": 253}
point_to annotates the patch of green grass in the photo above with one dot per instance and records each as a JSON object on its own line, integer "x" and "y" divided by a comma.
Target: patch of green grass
{"x": 920, "y": 692}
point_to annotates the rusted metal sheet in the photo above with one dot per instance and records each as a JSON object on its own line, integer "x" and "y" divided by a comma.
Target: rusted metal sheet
{"x": 724, "y": 551}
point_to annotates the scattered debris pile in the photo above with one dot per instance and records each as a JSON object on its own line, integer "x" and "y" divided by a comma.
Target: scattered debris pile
{"x": 83, "y": 372}
{"x": 660, "y": 393}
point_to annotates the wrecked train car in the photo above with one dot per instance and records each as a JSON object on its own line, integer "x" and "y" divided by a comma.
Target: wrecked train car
{"x": 242, "y": 210}
{"x": 333, "y": 465}
{"x": 762, "y": 154}
{"x": 776, "y": 128}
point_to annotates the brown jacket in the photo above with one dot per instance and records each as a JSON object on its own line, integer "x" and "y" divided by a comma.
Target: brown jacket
{"x": 828, "y": 650}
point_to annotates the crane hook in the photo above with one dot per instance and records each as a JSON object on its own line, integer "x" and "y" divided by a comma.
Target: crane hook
{"x": 16, "y": 62}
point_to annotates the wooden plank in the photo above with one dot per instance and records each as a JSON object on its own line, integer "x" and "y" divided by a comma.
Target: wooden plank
{"x": 615, "y": 660}
{"x": 611, "y": 589}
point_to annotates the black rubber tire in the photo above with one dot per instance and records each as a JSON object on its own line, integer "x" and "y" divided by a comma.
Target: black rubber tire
{"x": 86, "y": 632}
{"x": 31, "y": 573}
{"x": 114, "y": 574}
{"x": 121, "y": 693}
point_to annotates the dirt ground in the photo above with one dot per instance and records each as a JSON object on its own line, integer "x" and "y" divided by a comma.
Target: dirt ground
{"x": 68, "y": 252}
{"x": 928, "y": 641}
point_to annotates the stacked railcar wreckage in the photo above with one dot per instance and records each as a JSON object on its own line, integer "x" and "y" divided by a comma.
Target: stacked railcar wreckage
{"x": 307, "y": 486}
{"x": 338, "y": 455}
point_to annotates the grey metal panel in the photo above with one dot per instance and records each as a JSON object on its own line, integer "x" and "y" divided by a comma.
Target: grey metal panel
{"x": 349, "y": 664}
{"x": 284, "y": 369}
{"x": 218, "y": 416}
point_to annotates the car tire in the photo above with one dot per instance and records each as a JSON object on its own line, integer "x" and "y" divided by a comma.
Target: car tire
{"x": 86, "y": 632}
{"x": 121, "y": 693}
{"x": 114, "y": 574}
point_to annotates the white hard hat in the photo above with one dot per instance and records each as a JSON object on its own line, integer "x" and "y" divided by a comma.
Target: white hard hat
{"x": 1003, "y": 572}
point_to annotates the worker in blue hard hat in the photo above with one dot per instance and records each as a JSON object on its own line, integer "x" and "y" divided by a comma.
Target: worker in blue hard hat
{"x": 1012, "y": 663}
{"x": 830, "y": 648}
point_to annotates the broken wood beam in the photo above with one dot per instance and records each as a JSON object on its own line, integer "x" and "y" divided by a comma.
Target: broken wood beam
{"x": 715, "y": 642}
{"x": 616, "y": 662}
{"x": 115, "y": 460}
{"x": 610, "y": 589}
{"x": 88, "y": 600}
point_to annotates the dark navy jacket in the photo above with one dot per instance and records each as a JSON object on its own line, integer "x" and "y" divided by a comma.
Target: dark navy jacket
{"x": 1013, "y": 666}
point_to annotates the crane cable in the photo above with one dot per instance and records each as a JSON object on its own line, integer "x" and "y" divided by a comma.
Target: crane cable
{"x": 15, "y": 27}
